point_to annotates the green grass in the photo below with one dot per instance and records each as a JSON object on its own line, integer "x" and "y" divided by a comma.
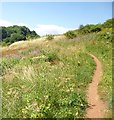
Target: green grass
{"x": 50, "y": 79}
{"x": 101, "y": 46}
{"x": 37, "y": 88}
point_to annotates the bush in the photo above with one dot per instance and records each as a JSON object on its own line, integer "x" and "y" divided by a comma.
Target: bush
{"x": 3, "y": 44}
{"x": 90, "y": 28}
{"x": 51, "y": 57}
{"x": 108, "y": 23}
{"x": 70, "y": 34}
{"x": 50, "y": 37}
{"x": 105, "y": 36}
{"x": 95, "y": 28}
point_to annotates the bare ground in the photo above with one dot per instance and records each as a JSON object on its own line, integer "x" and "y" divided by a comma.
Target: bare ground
{"x": 96, "y": 107}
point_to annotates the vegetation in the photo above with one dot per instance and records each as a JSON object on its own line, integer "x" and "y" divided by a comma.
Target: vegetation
{"x": 48, "y": 84}
{"x": 16, "y": 33}
{"x": 49, "y": 80}
{"x": 50, "y": 37}
{"x": 70, "y": 34}
{"x": 90, "y": 28}
{"x": 108, "y": 23}
{"x": 103, "y": 50}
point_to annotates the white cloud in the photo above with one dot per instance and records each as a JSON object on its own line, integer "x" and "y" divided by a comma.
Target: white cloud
{"x": 50, "y": 29}
{"x": 6, "y": 23}
{"x": 40, "y": 29}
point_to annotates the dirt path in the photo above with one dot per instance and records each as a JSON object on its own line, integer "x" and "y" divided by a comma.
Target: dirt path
{"x": 96, "y": 107}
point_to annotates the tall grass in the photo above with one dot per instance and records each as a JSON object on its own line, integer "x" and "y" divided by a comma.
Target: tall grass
{"x": 101, "y": 46}
{"x": 39, "y": 89}
{"x": 50, "y": 80}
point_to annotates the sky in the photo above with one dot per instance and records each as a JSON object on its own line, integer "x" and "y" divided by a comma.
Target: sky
{"x": 54, "y": 17}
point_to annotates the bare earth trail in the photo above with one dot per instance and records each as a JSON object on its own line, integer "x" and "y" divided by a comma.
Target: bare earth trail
{"x": 96, "y": 107}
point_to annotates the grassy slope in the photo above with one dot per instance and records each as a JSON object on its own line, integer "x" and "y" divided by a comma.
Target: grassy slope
{"x": 50, "y": 79}
{"x": 47, "y": 89}
{"x": 102, "y": 48}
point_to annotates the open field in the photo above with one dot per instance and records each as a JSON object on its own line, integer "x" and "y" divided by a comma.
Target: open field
{"x": 50, "y": 78}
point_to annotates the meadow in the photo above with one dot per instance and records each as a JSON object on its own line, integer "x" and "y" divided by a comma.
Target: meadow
{"x": 50, "y": 79}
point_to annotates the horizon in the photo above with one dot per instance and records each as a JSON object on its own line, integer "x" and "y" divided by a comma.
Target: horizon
{"x": 54, "y": 18}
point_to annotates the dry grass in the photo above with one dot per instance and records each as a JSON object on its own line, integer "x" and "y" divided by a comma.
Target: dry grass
{"x": 59, "y": 37}
{"x": 22, "y": 45}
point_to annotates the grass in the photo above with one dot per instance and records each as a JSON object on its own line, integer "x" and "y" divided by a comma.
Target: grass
{"x": 102, "y": 48}
{"x": 38, "y": 88}
{"x": 105, "y": 57}
{"x": 49, "y": 79}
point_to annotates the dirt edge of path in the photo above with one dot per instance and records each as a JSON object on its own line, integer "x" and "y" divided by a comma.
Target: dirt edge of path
{"x": 96, "y": 107}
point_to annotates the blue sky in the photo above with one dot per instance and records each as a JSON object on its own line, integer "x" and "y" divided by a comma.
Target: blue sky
{"x": 49, "y": 17}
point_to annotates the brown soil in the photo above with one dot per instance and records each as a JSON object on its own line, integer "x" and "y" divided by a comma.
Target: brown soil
{"x": 96, "y": 107}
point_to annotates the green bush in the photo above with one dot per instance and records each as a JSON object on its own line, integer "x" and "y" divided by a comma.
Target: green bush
{"x": 70, "y": 34}
{"x": 50, "y": 37}
{"x": 51, "y": 56}
{"x": 105, "y": 36}
{"x": 108, "y": 23}
{"x": 3, "y": 43}
{"x": 90, "y": 28}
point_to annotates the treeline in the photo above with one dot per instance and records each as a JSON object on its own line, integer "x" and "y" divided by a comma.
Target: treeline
{"x": 89, "y": 28}
{"x": 15, "y": 33}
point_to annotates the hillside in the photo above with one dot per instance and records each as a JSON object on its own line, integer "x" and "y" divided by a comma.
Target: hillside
{"x": 16, "y": 33}
{"x": 49, "y": 78}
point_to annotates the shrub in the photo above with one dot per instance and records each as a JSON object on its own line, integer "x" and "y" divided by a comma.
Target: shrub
{"x": 105, "y": 36}
{"x": 3, "y": 44}
{"x": 51, "y": 57}
{"x": 70, "y": 34}
{"x": 50, "y": 37}
{"x": 89, "y": 28}
{"x": 108, "y": 23}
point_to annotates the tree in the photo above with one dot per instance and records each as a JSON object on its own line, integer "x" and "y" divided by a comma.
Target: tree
{"x": 81, "y": 26}
{"x": 16, "y": 33}
{"x": 4, "y": 33}
{"x": 33, "y": 34}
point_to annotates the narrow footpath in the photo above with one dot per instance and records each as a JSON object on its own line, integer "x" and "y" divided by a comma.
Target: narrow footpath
{"x": 96, "y": 107}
